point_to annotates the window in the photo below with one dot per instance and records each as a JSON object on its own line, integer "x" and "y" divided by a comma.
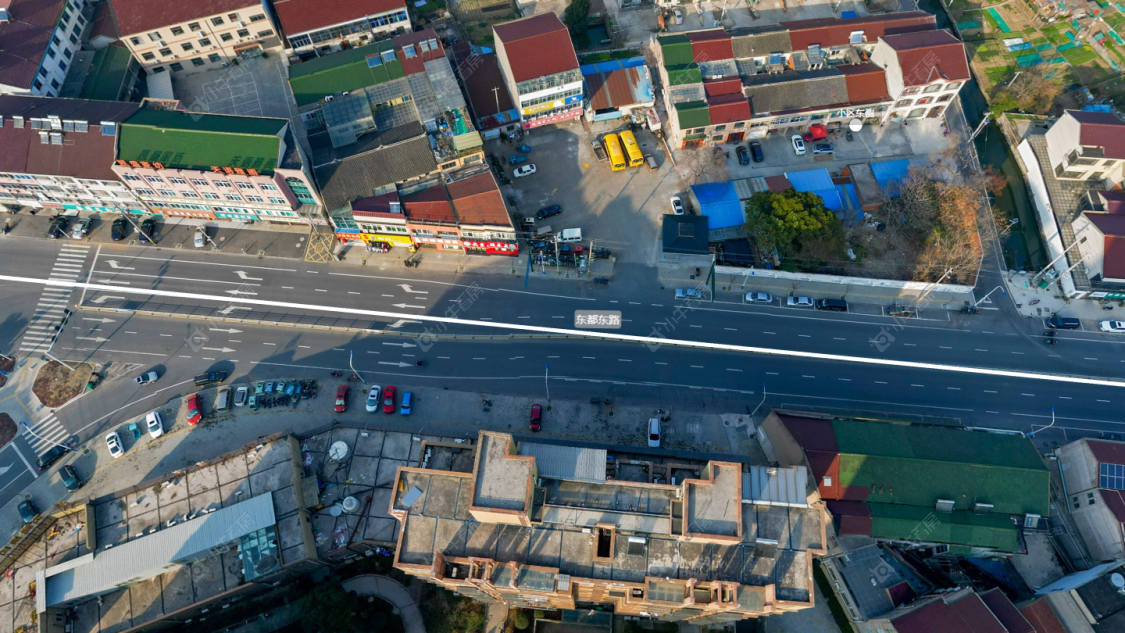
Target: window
{"x": 233, "y": 17}
{"x": 277, "y": 200}
{"x": 195, "y": 61}
{"x": 109, "y": 128}
{"x": 257, "y": 18}
{"x": 226, "y": 37}
{"x": 165, "y": 52}
{"x": 925, "y": 100}
{"x": 265, "y": 33}
{"x": 193, "y": 26}
{"x": 43, "y": 72}
{"x": 51, "y": 52}
{"x": 175, "y": 180}
{"x": 216, "y": 21}
{"x": 205, "y": 42}
{"x": 233, "y": 197}
{"x": 66, "y": 53}
{"x": 904, "y": 103}
{"x": 210, "y": 196}
{"x": 155, "y": 179}
{"x": 177, "y": 30}
{"x": 199, "y": 182}
{"x": 158, "y": 69}
{"x": 911, "y": 91}
{"x": 255, "y": 198}
{"x": 135, "y": 40}
{"x": 176, "y": 66}
{"x": 168, "y": 192}
{"x": 945, "y": 97}
{"x": 154, "y": 36}
{"x": 222, "y": 184}
{"x": 62, "y": 65}
{"x": 148, "y": 57}
{"x": 409, "y": 51}
{"x": 933, "y": 88}
{"x": 188, "y": 194}
{"x": 144, "y": 191}
{"x": 214, "y": 57}
{"x": 953, "y": 86}
{"x": 65, "y": 16}
{"x": 720, "y": 128}
{"x": 187, "y": 46}
{"x": 132, "y": 178}
{"x": 243, "y": 33}
{"x": 917, "y": 113}
{"x": 245, "y": 185}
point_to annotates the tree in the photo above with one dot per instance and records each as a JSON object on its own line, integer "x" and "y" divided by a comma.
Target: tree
{"x": 703, "y": 164}
{"x": 574, "y": 17}
{"x": 522, "y": 620}
{"x": 785, "y": 221}
{"x": 1031, "y": 90}
{"x": 330, "y": 609}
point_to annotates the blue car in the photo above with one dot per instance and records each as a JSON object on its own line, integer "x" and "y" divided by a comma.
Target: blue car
{"x": 405, "y": 406}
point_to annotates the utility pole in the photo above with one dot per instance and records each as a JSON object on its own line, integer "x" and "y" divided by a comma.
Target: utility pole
{"x": 1038, "y": 275}
{"x": 1032, "y": 433}
{"x": 129, "y": 218}
{"x": 980, "y": 126}
{"x": 351, "y": 353}
{"x": 546, "y": 368}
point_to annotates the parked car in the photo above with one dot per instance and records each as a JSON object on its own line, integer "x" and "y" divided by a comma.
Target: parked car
{"x": 536, "y": 421}
{"x": 341, "y": 399}
{"x": 517, "y": 159}
{"x": 756, "y": 152}
{"x": 743, "y": 155}
{"x": 148, "y": 231}
{"x": 81, "y": 228}
{"x": 546, "y": 212}
{"x": 389, "y": 399}
{"x": 58, "y": 228}
{"x": 200, "y": 237}
{"x": 240, "y": 396}
{"x": 1063, "y": 323}
{"x": 406, "y": 406}
{"x": 1112, "y": 326}
{"x": 70, "y": 478}
{"x": 119, "y": 229}
{"x": 146, "y": 378}
{"x": 677, "y": 205}
{"x": 51, "y": 456}
{"x": 373, "y": 399}
{"x": 113, "y": 443}
{"x": 27, "y": 511}
{"x": 525, "y": 170}
{"x": 689, "y": 293}
{"x": 798, "y": 145}
{"x": 677, "y": 16}
{"x": 832, "y": 305}
{"x": 654, "y": 433}
{"x": 194, "y": 409}
{"x": 759, "y": 297}
{"x": 153, "y": 424}
{"x": 823, "y": 148}
{"x": 210, "y": 378}
{"x": 799, "y": 302}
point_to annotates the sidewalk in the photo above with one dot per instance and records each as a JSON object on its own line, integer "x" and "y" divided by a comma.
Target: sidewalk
{"x": 390, "y": 590}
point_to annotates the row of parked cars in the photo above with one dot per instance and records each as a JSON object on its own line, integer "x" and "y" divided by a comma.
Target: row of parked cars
{"x": 79, "y": 228}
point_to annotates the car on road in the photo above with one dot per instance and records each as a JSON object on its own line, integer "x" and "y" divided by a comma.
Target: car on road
{"x": 200, "y": 239}
{"x": 759, "y": 297}
{"x": 743, "y": 155}
{"x": 677, "y": 205}
{"x": 372, "y": 405}
{"x": 240, "y": 396}
{"x": 27, "y": 511}
{"x": 119, "y": 229}
{"x": 51, "y": 456}
{"x": 113, "y": 443}
{"x": 407, "y": 405}
{"x": 81, "y": 228}
{"x": 1063, "y": 323}
{"x": 154, "y": 425}
{"x": 654, "y": 433}
{"x": 148, "y": 231}
{"x": 341, "y": 399}
{"x": 756, "y": 152}
{"x": 546, "y": 212}
{"x": 210, "y": 378}
{"x": 798, "y": 145}
{"x": 70, "y": 478}
{"x": 194, "y": 409}
{"x": 689, "y": 293}
{"x": 389, "y": 399}
{"x": 525, "y": 170}
{"x": 536, "y": 421}
{"x": 823, "y": 148}
{"x": 1112, "y": 326}
{"x": 58, "y": 228}
{"x": 677, "y": 15}
{"x": 799, "y": 302}
{"x": 147, "y": 377}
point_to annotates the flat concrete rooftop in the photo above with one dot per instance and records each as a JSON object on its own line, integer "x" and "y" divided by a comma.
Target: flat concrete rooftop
{"x": 502, "y": 478}
{"x": 714, "y": 506}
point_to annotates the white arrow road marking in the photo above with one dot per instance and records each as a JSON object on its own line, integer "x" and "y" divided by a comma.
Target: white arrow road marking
{"x": 228, "y": 331}
{"x": 224, "y": 350}
{"x": 96, "y": 339}
{"x": 104, "y": 298}
{"x": 407, "y": 288}
{"x": 402, "y": 322}
{"x": 229, "y": 309}
{"x": 242, "y": 274}
{"x": 99, "y": 320}
{"x": 396, "y": 364}
{"x": 240, "y": 292}
{"x": 4, "y": 469}
{"x": 113, "y": 264}
{"x": 115, "y": 282}
{"x": 401, "y": 344}
{"x": 404, "y": 306}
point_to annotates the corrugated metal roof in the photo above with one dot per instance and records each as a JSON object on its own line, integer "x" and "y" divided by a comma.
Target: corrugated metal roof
{"x": 152, "y": 555}
{"x": 817, "y": 181}
{"x": 567, "y": 462}
{"x": 775, "y": 486}
{"x": 580, "y": 517}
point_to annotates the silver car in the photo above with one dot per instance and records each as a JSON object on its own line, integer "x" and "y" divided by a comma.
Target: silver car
{"x": 799, "y": 302}
{"x": 689, "y": 293}
{"x": 759, "y": 297}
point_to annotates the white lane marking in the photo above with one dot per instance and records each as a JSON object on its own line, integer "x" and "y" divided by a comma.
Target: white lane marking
{"x": 523, "y": 317}
{"x": 989, "y": 391}
{"x": 120, "y": 351}
{"x": 731, "y": 329}
{"x": 1065, "y": 398}
{"x": 807, "y": 376}
{"x": 764, "y": 332}
{"x": 1103, "y": 400}
{"x": 1029, "y": 395}
{"x": 588, "y": 358}
{"x": 914, "y": 385}
{"x": 911, "y": 344}
{"x": 166, "y": 260}
{"x": 697, "y": 326}
{"x": 804, "y": 335}
{"x": 558, "y": 317}
{"x": 660, "y": 363}
{"x": 25, "y": 462}
{"x": 624, "y": 360}
{"x": 738, "y": 370}
{"x": 880, "y": 382}
{"x": 391, "y": 296}
{"x": 352, "y": 292}
{"x": 837, "y": 338}
{"x": 320, "y": 290}
{"x": 163, "y": 277}
{"x": 954, "y": 388}
{"x": 287, "y": 287}
{"x": 697, "y": 366}
{"x": 269, "y": 343}
{"x": 552, "y": 357}
{"x": 945, "y": 347}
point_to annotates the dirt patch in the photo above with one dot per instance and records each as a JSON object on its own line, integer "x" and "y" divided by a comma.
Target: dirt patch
{"x": 6, "y": 366}
{"x": 8, "y": 429}
{"x": 56, "y": 385}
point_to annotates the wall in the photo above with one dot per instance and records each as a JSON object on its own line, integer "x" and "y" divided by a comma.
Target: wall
{"x": 221, "y": 41}
{"x": 907, "y": 287}
{"x": 1046, "y": 216}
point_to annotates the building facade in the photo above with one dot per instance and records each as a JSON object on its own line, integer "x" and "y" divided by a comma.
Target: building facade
{"x": 1094, "y": 474}
{"x": 214, "y": 166}
{"x": 38, "y": 40}
{"x": 925, "y": 71}
{"x": 58, "y": 154}
{"x": 191, "y": 37}
{"x": 540, "y": 68}
{"x": 323, "y": 28}
{"x": 1087, "y": 147}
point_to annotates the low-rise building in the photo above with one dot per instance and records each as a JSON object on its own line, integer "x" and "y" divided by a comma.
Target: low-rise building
{"x": 186, "y": 37}
{"x": 38, "y": 40}
{"x": 493, "y": 110}
{"x": 925, "y": 71}
{"x": 482, "y": 217}
{"x": 617, "y": 88}
{"x": 1093, "y": 472}
{"x": 1089, "y": 600}
{"x": 323, "y": 28}
{"x": 540, "y": 68}
{"x": 988, "y": 612}
{"x": 1087, "y": 147}
{"x": 58, "y": 154}
{"x": 547, "y": 527}
{"x": 217, "y": 166}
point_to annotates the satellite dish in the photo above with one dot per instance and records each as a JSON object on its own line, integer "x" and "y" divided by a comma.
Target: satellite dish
{"x": 855, "y": 125}
{"x": 1117, "y": 580}
{"x": 338, "y": 452}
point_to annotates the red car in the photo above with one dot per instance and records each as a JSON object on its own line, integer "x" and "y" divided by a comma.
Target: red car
{"x": 389, "y": 399}
{"x": 536, "y": 422}
{"x": 194, "y": 409}
{"x": 341, "y": 398}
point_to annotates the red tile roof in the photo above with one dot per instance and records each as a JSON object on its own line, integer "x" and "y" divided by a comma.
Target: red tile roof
{"x": 142, "y": 16}
{"x": 25, "y": 37}
{"x": 417, "y": 64}
{"x": 777, "y": 184}
{"x": 104, "y": 24}
{"x": 1114, "y": 201}
{"x": 430, "y": 205}
{"x": 301, "y": 16}
{"x": 1112, "y": 225}
{"x": 82, "y": 154}
{"x": 836, "y": 32}
{"x": 1115, "y": 502}
{"x": 855, "y": 516}
{"x": 1001, "y": 607}
{"x": 929, "y": 56}
{"x": 729, "y": 108}
{"x": 536, "y": 46}
{"x": 867, "y": 83}
{"x": 1101, "y": 129}
{"x": 478, "y": 200}
{"x": 1106, "y": 451}
{"x": 376, "y": 206}
{"x": 1042, "y": 617}
{"x": 725, "y": 86}
{"x": 710, "y": 46}
{"x": 967, "y": 615}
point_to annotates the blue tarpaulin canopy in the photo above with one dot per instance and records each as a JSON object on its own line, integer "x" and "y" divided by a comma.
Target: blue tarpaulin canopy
{"x": 719, "y": 202}
{"x": 817, "y": 181}
{"x": 890, "y": 173}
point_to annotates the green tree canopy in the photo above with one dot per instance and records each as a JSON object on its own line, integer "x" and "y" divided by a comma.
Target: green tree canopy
{"x": 574, "y": 17}
{"x": 784, "y": 220}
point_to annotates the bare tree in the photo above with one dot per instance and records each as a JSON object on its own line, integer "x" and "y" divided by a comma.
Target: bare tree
{"x": 703, "y": 164}
{"x": 1032, "y": 89}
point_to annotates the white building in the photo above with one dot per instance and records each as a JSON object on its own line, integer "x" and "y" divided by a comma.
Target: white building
{"x": 324, "y": 27}
{"x": 38, "y": 39}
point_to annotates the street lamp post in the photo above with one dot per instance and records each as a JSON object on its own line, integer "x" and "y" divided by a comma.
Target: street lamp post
{"x": 546, "y": 368}
{"x": 351, "y": 354}
{"x": 1032, "y": 433}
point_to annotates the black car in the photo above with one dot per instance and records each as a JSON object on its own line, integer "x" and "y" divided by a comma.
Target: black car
{"x": 210, "y": 378}
{"x": 547, "y": 212}
{"x": 28, "y": 511}
{"x": 756, "y": 151}
{"x": 1063, "y": 323}
{"x": 51, "y": 456}
{"x": 148, "y": 231}
{"x": 58, "y": 228}
{"x": 118, "y": 230}
{"x": 743, "y": 155}
{"x": 70, "y": 478}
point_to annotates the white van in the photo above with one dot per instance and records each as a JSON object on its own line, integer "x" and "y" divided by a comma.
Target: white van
{"x": 222, "y": 399}
{"x": 570, "y": 235}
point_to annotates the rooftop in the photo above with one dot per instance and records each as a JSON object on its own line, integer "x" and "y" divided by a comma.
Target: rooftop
{"x": 24, "y": 38}
{"x": 354, "y": 172}
{"x": 109, "y": 74}
{"x": 960, "y": 612}
{"x": 347, "y": 70}
{"x": 301, "y": 16}
{"x": 484, "y": 84}
{"x": 928, "y": 56}
{"x": 536, "y": 46}
{"x": 189, "y": 140}
{"x": 1101, "y": 129}
{"x": 503, "y": 480}
{"x": 141, "y": 16}
{"x": 478, "y": 201}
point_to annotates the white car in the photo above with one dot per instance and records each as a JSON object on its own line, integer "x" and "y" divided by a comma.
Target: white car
{"x": 759, "y": 297}
{"x": 154, "y": 425}
{"x": 799, "y": 302}
{"x": 373, "y": 403}
{"x": 147, "y": 377}
{"x": 200, "y": 239}
{"x": 677, "y": 205}
{"x": 81, "y": 228}
{"x": 113, "y": 443}
{"x": 678, "y": 16}
{"x": 654, "y": 433}
{"x": 798, "y": 145}
{"x": 1112, "y": 326}
{"x": 525, "y": 170}
{"x": 240, "y": 396}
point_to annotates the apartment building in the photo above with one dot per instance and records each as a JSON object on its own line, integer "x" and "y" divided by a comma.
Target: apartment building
{"x": 185, "y": 37}
{"x": 1087, "y": 147}
{"x": 563, "y": 527}
{"x": 727, "y": 86}
{"x": 58, "y": 155}
{"x": 38, "y": 40}
{"x": 1094, "y": 474}
{"x": 216, "y": 166}
{"x": 540, "y": 68}
{"x": 321, "y": 28}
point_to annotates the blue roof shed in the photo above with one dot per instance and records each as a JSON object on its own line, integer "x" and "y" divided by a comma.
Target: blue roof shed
{"x": 817, "y": 181}
{"x": 719, "y": 202}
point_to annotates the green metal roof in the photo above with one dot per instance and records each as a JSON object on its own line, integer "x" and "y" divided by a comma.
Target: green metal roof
{"x": 676, "y": 49}
{"x": 684, "y": 74}
{"x": 912, "y": 523}
{"x": 188, "y": 140}
{"x": 108, "y": 74}
{"x": 347, "y": 70}
{"x": 693, "y": 114}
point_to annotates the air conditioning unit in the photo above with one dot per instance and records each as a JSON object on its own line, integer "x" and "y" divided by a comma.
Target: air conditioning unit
{"x": 242, "y": 23}
{"x": 163, "y": 43}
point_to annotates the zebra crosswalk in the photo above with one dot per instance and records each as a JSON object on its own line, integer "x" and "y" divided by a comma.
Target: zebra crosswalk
{"x": 53, "y": 301}
{"x": 46, "y": 433}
